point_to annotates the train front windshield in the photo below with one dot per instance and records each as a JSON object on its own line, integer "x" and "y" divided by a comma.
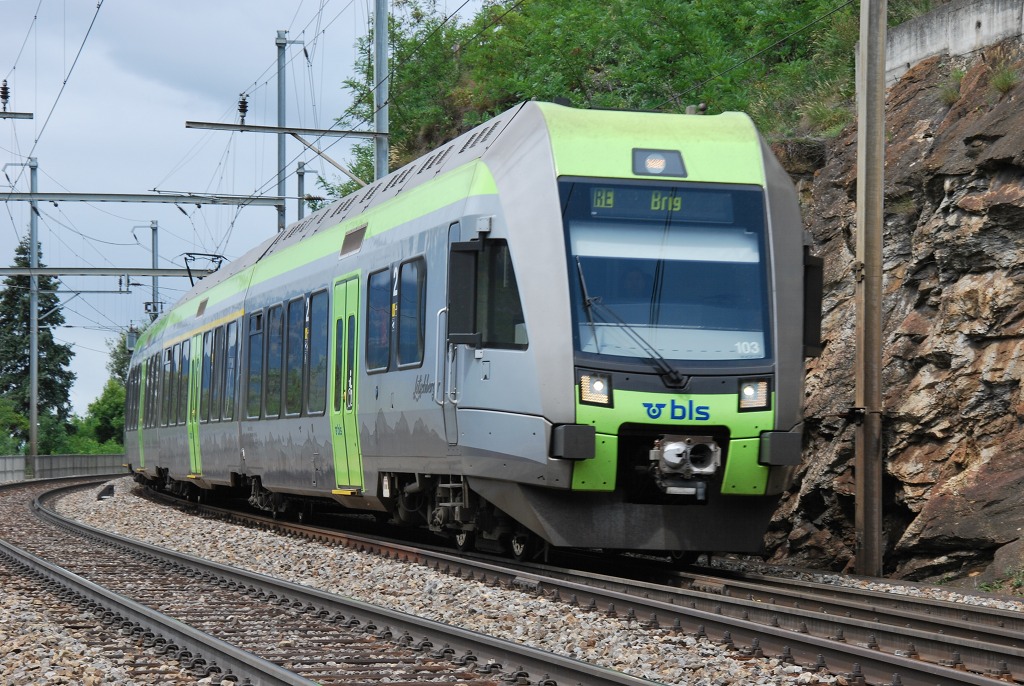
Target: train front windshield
{"x": 676, "y": 271}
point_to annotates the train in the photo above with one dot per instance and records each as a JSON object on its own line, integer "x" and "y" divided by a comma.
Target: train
{"x": 566, "y": 328}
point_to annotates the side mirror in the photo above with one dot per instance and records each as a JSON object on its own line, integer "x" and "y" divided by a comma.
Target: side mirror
{"x": 462, "y": 306}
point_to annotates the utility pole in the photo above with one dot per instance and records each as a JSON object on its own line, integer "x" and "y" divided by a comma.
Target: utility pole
{"x": 33, "y": 307}
{"x": 380, "y": 91}
{"x": 33, "y": 311}
{"x": 301, "y": 173}
{"x": 281, "y": 42}
{"x": 153, "y": 309}
{"x": 868, "y": 275}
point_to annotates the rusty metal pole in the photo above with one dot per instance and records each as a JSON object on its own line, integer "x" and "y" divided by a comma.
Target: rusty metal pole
{"x": 868, "y": 274}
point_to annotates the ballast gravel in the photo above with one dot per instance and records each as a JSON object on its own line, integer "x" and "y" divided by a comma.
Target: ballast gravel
{"x": 615, "y": 643}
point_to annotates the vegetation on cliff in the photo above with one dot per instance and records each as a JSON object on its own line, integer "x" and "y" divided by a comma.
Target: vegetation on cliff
{"x": 789, "y": 64}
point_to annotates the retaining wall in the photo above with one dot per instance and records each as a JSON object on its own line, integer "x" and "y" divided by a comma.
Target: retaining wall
{"x": 958, "y": 28}
{"x": 12, "y": 467}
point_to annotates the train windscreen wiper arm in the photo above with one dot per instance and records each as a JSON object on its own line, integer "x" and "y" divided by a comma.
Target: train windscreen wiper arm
{"x": 671, "y": 376}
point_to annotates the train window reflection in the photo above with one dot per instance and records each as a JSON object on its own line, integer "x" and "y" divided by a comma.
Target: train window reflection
{"x": 254, "y": 394}
{"x": 275, "y": 345}
{"x": 676, "y": 269}
{"x": 231, "y": 371}
{"x": 318, "y": 328}
{"x": 293, "y": 358}
{"x": 378, "y": 329}
{"x": 411, "y": 313}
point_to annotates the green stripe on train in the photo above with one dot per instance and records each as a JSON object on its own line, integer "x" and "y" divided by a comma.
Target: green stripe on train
{"x": 469, "y": 180}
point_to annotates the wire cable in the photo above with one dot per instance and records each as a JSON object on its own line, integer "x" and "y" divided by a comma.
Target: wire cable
{"x": 99, "y": 4}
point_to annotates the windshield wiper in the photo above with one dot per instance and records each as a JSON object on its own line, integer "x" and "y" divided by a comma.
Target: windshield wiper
{"x": 671, "y": 376}
{"x": 587, "y": 304}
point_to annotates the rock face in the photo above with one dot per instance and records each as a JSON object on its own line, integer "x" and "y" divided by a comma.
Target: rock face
{"x": 953, "y": 320}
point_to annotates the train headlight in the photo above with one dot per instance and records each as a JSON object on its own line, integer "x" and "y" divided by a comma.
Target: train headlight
{"x": 755, "y": 394}
{"x": 595, "y": 389}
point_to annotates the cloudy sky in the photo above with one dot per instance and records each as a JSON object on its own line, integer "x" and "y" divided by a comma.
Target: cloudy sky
{"x": 110, "y": 105}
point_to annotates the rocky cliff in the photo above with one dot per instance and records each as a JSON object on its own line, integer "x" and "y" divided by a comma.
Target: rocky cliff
{"x": 953, "y": 318}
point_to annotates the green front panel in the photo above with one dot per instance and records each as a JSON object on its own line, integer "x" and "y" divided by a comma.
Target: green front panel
{"x": 689, "y": 412}
{"x": 597, "y": 474}
{"x": 743, "y": 475}
{"x": 348, "y": 462}
{"x": 195, "y": 372}
{"x": 142, "y": 413}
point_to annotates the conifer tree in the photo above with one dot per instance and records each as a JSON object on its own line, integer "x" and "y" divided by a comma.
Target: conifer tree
{"x": 55, "y": 375}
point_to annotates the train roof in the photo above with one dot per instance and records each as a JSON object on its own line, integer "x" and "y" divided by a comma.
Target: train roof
{"x": 724, "y": 148}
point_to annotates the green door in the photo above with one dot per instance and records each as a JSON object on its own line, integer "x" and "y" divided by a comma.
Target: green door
{"x": 142, "y": 413}
{"x": 348, "y": 463}
{"x": 195, "y": 369}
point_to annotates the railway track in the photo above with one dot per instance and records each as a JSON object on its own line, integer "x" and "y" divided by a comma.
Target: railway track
{"x": 867, "y": 636}
{"x": 233, "y": 625}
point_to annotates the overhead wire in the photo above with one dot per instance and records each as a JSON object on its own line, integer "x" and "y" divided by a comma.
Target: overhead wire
{"x": 31, "y": 26}
{"x": 46, "y": 122}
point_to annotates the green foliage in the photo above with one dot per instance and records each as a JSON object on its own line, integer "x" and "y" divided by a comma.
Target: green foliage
{"x": 13, "y": 425}
{"x": 950, "y": 91}
{"x": 106, "y": 414}
{"x": 120, "y": 356}
{"x": 790, "y": 65}
{"x": 1004, "y": 78}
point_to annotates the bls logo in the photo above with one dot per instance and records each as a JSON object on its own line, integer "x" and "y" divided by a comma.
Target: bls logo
{"x": 680, "y": 411}
{"x": 654, "y": 410}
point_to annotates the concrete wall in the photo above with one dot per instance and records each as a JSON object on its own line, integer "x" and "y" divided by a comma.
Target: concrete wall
{"x": 959, "y": 28}
{"x": 12, "y": 468}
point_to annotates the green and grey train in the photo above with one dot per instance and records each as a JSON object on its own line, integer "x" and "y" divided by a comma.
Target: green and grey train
{"x": 568, "y": 327}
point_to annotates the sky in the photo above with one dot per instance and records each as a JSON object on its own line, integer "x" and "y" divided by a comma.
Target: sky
{"x": 111, "y": 88}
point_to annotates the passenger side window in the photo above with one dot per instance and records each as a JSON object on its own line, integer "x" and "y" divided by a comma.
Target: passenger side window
{"x": 231, "y": 371}
{"x": 206, "y": 377}
{"x": 411, "y": 303}
{"x": 254, "y": 393}
{"x": 217, "y": 390}
{"x": 294, "y": 356}
{"x": 183, "y": 371}
{"x": 378, "y": 328}
{"x": 318, "y": 353}
{"x": 275, "y": 349}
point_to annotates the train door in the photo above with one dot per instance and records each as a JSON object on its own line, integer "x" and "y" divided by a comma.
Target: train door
{"x": 348, "y": 463}
{"x": 447, "y": 384}
{"x": 194, "y": 384}
{"x": 142, "y": 412}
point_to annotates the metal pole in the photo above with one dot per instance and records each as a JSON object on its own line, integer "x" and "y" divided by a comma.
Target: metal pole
{"x": 281, "y": 42}
{"x": 301, "y": 171}
{"x": 868, "y": 270}
{"x": 380, "y": 91}
{"x": 33, "y": 308}
{"x": 156, "y": 279}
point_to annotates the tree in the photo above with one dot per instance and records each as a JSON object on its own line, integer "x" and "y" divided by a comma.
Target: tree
{"x": 12, "y": 426}
{"x": 121, "y": 356}
{"x": 55, "y": 376}
{"x": 101, "y": 430}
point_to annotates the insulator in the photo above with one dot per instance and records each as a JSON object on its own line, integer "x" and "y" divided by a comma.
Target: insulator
{"x": 5, "y": 94}
{"x": 243, "y": 106}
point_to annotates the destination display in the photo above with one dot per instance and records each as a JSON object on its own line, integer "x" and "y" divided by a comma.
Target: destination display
{"x": 661, "y": 204}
